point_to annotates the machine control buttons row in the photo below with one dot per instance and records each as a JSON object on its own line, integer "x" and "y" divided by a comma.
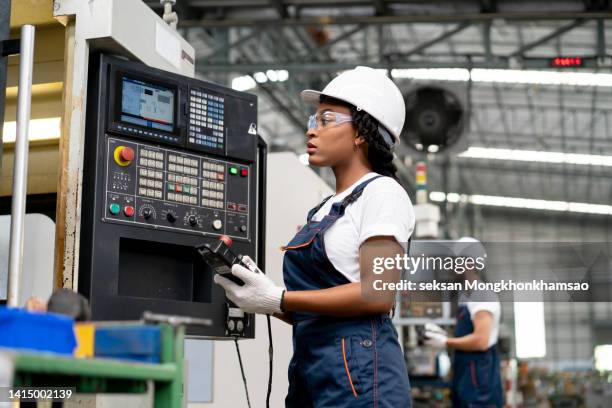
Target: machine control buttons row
{"x": 243, "y": 171}
{"x": 213, "y": 166}
{"x": 146, "y": 133}
{"x": 181, "y": 198}
{"x": 198, "y": 140}
{"x": 151, "y": 163}
{"x": 182, "y": 160}
{"x": 205, "y": 95}
{"x": 212, "y": 203}
{"x": 175, "y": 178}
{"x": 238, "y": 325}
{"x": 150, "y": 154}
{"x": 159, "y": 175}
{"x": 182, "y": 188}
{"x": 213, "y": 175}
{"x": 213, "y": 185}
{"x": 149, "y": 192}
{"x": 143, "y": 182}
{"x": 115, "y": 209}
{"x": 237, "y": 207}
{"x": 193, "y": 171}
{"x": 212, "y": 194}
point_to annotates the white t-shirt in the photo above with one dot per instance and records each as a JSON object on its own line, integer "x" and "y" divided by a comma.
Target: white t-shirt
{"x": 494, "y": 307}
{"x": 384, "y": 208}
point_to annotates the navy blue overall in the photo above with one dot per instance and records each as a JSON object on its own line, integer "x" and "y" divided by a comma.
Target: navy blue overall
{"x": 476, "y": 375}
{"x": 338, "y": 362}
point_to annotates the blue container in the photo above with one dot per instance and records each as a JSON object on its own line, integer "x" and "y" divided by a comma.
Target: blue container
{"x": 20, "y": 329}
{"x": 135, "y": 343}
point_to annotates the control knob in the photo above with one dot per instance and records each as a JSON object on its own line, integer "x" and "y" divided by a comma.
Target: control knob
{"x": 147, "y": 213}
{"x": 217, "y": 224}
{"x": 170, "y": 217}
{"x": 193, "y": 221}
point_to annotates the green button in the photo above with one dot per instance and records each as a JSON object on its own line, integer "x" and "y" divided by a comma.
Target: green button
{"x": 170, "y": 186}
{"x": 114, "y": 208}
{"x": 233, "y": 170}
{"x": 186, "y": 189}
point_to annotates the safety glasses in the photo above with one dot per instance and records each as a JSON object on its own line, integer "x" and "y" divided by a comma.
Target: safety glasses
{"x": 328, "y": 119}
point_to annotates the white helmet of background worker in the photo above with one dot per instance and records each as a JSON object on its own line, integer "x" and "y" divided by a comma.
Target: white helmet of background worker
{"x": 470, "y": 247}
{"x": 370, "y": 90}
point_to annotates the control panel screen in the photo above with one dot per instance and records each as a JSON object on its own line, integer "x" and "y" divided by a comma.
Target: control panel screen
{"x": 147, "y": 105}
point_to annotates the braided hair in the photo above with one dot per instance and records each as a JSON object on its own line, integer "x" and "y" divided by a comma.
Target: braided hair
{"x": 380, "y": 155}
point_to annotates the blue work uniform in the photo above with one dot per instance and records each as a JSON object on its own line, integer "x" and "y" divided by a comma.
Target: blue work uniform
{"x": 476, "y": 374}
{"x": 338, "y": 362}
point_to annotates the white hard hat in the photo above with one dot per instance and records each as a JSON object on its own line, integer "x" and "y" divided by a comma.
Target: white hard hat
{"x": 470, "y": 247}
{"x": 369, "y": 90}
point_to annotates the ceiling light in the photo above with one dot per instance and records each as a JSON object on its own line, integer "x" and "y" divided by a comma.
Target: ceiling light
{"x": 433, "y": 74}
{"x": 453, "y": 197}
{"x": 39, "y": 129}
{"x": 507, "y": 76}
{"x": 260, "y": 77}
{"x": 437, "y": 196}
{"x": 536, "y": 156}
{"x": 527, "y": 203}
{"x": 282, "y": 74}
{"x": 272, "y": 75}
{"x": 243, "y": 83}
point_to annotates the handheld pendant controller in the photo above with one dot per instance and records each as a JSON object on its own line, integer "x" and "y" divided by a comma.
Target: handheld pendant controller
{"x": 220, "y": 258}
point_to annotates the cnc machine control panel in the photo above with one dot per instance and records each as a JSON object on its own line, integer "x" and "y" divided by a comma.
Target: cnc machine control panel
{"x": 171, "y": 163}
{"x": 161, "y": 188}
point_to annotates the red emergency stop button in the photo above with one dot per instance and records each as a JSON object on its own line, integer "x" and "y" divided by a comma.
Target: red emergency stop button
{"x": 244, "y": 172}
{"x": 128, "y": 210}
{"x": 123, "y": 155}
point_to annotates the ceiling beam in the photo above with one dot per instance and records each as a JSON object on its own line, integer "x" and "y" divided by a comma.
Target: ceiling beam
{"x": 398, "y": 19}
{"x": 422, "y": 47}
{"x": 543, "y": 40}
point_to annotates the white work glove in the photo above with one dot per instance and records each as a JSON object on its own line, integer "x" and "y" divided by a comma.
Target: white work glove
{"x": 259, "y": 294}
{"x": 435, "y": 336}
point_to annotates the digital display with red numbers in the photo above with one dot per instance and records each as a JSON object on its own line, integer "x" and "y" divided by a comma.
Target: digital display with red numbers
{"x": 564, "y": 62}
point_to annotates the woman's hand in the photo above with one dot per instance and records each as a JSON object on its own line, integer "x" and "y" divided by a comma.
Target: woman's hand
{"x": 259, "y": 294}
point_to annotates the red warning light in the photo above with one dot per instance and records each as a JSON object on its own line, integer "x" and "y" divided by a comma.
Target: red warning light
{"x": 565, "y": 62}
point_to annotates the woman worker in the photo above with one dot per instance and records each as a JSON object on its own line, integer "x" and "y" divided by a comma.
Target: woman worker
{"x": 476, "y": 367}
{"x": 346, "y": 352}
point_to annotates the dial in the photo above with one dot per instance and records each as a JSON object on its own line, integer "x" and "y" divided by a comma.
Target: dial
{"x": 148, "y": 212}
{"x": 171, "y": 217}
{"x": 193, "y": 220}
